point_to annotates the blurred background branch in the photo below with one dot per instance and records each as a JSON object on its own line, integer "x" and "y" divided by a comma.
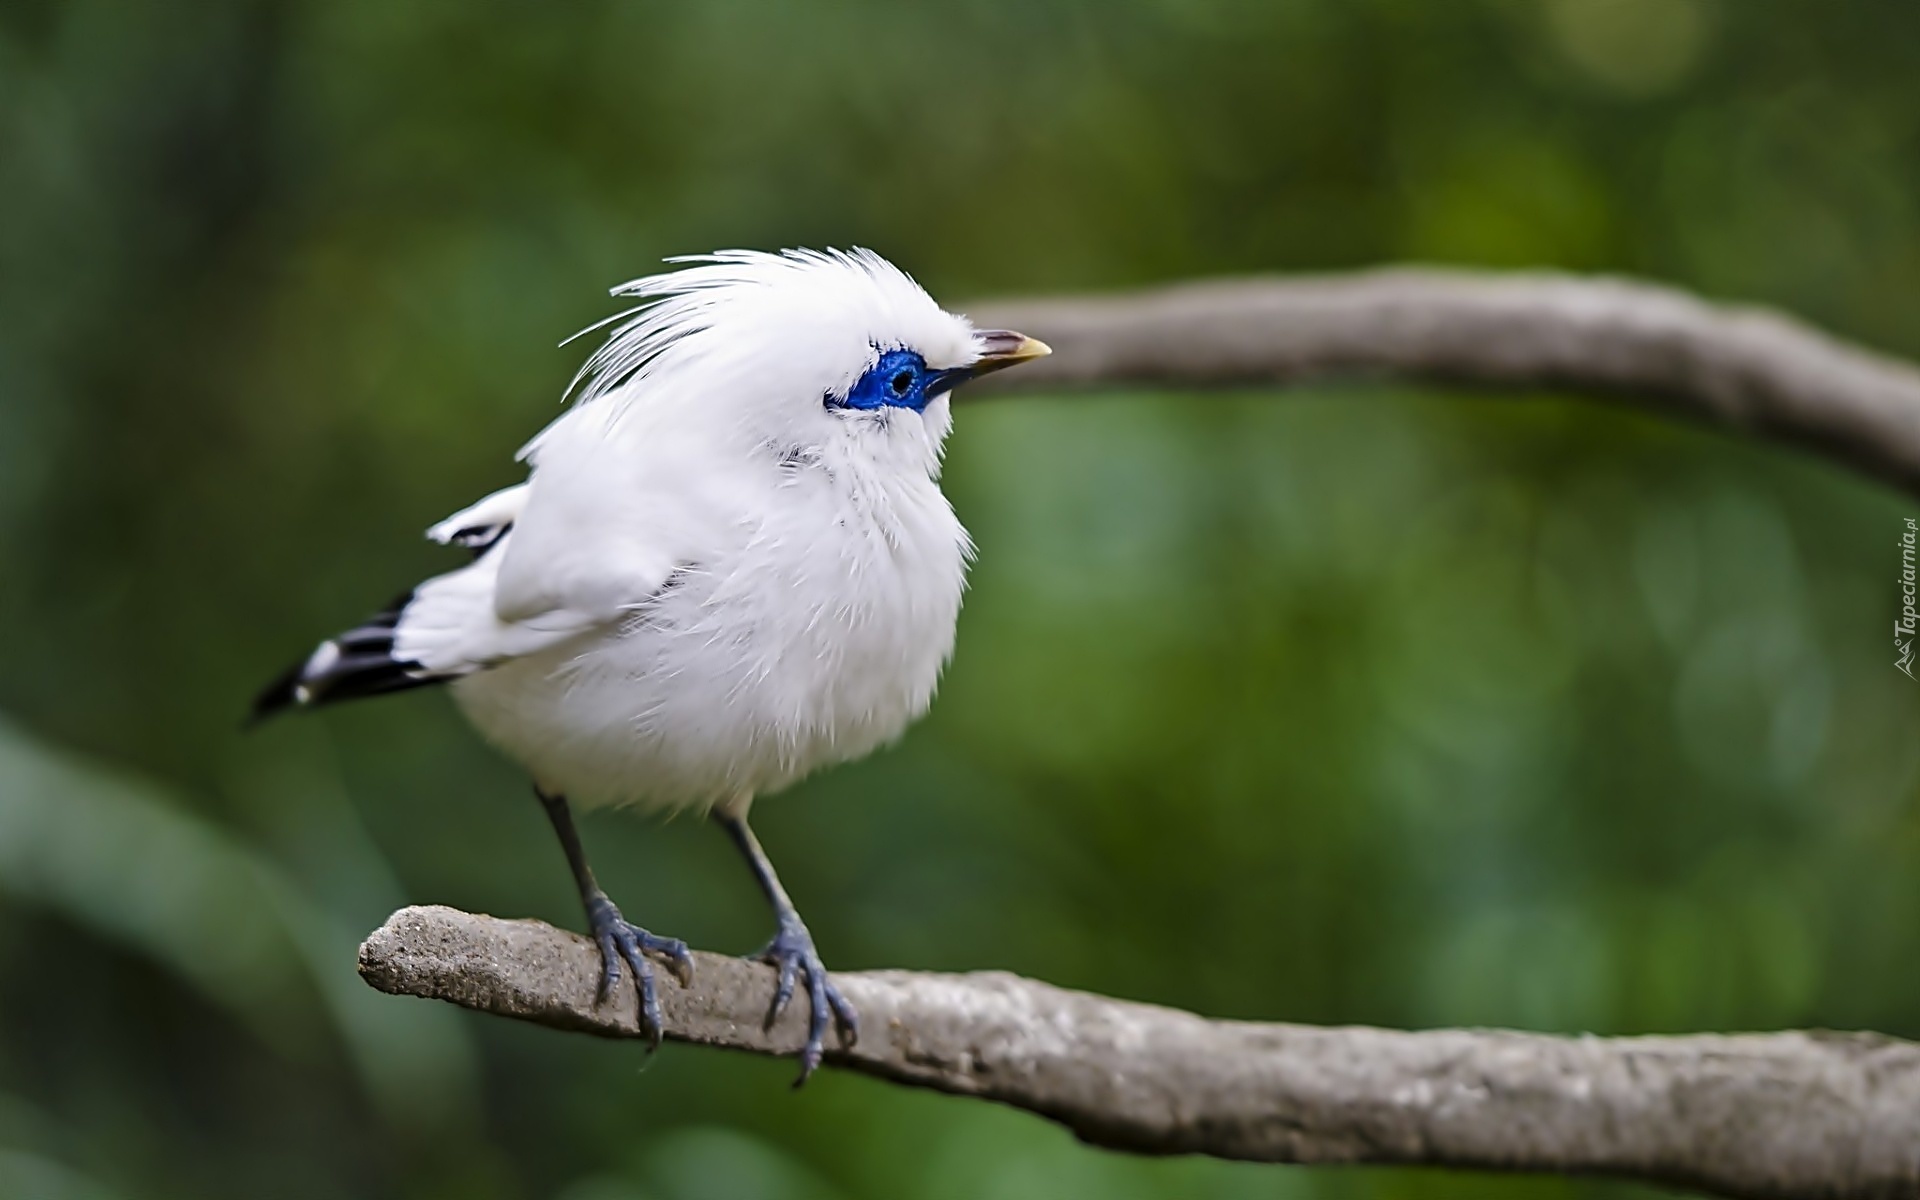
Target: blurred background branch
{"x": 1782, "y": 1116}
{"x": 1746, "y": 369}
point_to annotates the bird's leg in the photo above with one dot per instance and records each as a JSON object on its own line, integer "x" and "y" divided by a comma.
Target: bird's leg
{"x": 618, "y": 937}
{"x": 793, "y": 953}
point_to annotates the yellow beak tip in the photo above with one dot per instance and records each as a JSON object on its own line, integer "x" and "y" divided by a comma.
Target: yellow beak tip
{"x": 1004, "y": 348}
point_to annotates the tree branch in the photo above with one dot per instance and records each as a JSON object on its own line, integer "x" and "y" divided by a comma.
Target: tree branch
{"x": 1751, "y": 370}
{"x": 1770, "y": 1116}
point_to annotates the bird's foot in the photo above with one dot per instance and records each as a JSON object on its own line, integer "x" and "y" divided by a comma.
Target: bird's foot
{"x": 620, "y": 939}
{"x": 791, "y": 952}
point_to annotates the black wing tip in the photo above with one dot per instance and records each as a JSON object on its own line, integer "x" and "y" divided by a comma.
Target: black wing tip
{"x": 283, "y": 693}
{"x": 361, "y": 664}
{"x": 478, "y": 539}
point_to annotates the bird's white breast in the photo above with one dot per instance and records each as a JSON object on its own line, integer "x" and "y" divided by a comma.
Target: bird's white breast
{"x": 811, "y": 630}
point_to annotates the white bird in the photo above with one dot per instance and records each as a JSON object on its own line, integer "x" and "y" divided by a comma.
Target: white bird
{"x": 730, "y": 565}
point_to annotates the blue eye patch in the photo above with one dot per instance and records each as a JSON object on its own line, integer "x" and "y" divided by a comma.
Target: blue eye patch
{"x": 901, "y": 379}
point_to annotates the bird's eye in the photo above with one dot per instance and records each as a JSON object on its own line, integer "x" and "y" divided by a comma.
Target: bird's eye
{"x": 899, "y": 380}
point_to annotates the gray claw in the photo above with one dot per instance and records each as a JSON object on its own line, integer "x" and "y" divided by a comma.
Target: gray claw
{"x": 619, "y": 939}
{"x": 792, "y": 951}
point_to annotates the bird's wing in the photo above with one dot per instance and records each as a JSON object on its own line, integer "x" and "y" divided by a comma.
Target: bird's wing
{"x": 561, "y": 583}
{"x": 479, "y": 525}
{"x": 450, "y": 625}
{"x": 560, "y": 556}
{"x": 599, "y": 529}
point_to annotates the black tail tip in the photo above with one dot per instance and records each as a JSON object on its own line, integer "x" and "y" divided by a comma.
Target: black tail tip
{"x": 283, "y": 693}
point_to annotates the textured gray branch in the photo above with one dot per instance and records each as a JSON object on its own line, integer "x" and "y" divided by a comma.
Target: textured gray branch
{"x": 1772, "y": 1115}
{"x": 1754, "y": 371}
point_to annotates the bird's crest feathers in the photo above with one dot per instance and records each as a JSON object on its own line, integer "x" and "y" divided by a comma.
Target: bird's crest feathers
{"x": 741, "y": 287}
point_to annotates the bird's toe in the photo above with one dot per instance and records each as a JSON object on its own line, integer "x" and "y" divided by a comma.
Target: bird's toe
{"x": 843, "y": 1013}
{"x": 792, "y": 953}
{"x": 621, "y": 940}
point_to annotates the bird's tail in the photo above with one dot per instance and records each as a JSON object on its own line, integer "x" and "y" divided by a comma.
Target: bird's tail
{"x": 449, "y": 624}
{"x": 359, "y": 662}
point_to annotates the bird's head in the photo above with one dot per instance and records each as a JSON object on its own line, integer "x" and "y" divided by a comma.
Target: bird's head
{"x": 827, "y": 354}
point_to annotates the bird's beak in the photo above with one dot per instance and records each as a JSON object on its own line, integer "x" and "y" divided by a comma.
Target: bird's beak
{"x": 999, "y": 349}
{"x": 1002, "y": 348}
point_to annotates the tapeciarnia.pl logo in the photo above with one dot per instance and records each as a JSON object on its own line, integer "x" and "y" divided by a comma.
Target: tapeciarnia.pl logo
{"x": 1903, "y": 628}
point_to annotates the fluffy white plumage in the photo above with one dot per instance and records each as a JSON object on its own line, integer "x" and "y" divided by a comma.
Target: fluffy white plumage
{"x": 731, "y": 564}
{"x": 712, "y": 583}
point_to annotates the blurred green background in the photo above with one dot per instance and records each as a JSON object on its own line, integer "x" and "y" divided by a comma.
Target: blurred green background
{"x": 1343, "y": 705}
